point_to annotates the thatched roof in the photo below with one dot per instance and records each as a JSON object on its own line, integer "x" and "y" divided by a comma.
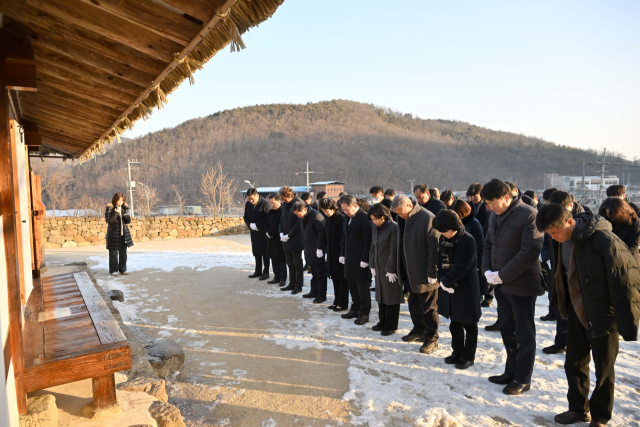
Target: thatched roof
{"x": 101, "y": 65}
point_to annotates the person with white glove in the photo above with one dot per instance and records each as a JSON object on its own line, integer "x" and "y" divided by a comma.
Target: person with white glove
{"x": 334, "y": 223}
{"x": 274, "y": 244}
{"x": 313, "y": 225}
{"x": 292, "y": 240}
{"x": 383, "y": 260}
{"x": 459, "y": 299}
{"x": 255, "y": 217}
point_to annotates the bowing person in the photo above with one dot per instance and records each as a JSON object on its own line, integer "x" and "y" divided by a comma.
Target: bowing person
{"x": 334, "y": 220}
{"x": 274, "y": 245}
{"x": 292, "y": 240}
{"x": 312, "y": 223}
{"x": 255, "y": 216}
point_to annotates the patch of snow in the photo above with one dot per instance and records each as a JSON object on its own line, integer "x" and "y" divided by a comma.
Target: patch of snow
{"x": 269, "y": 422}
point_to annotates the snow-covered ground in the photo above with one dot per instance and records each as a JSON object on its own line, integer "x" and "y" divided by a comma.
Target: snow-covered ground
{"x": 390, "y": 381}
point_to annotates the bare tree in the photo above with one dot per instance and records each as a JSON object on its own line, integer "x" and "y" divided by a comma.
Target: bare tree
{"x": 55, "y": 181}
{"x": 148, "y": 199}
{"x": 178, "y": 198}
{"x": 217, "y": 189}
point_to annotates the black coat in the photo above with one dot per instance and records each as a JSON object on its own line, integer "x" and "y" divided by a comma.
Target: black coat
{"x": 117, "y": 226}
{"x": 257, "y": 214}
{"x": 383, "y": 256}
{"x": 334, "y": 234}
{"x": 481, "y": 213}
{"x": 313, "y": 226}
{"x": 274, "y": 245}
{"x": 609, "y": 278}
{"x": 635, "y": 207}
{"x": 464, "y": 304}
{"x": 355, "y": 246}
{"x": 388, "y": 202}
{"x": 290, "y": 226}
{"x": 629, "y": 233}
{"x": 434, "y": 206}
{"x": 473, "y": 227}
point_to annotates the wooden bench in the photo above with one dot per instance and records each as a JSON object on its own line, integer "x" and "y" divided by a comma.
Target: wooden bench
{"x": 69, "y": 335}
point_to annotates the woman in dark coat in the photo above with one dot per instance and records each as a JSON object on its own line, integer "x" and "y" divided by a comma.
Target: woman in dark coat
{"x": 334, "y": 220}
{"x": 473, "y": 227}
{"x": 118, "y": 236}
{"x": 624, "y": 220}
{"x": 383, "y": 261}
{"x": 458, "y": 278}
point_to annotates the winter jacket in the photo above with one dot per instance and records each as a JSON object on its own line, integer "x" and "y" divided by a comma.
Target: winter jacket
{"x": 634, "y": 207}
{"x": 418, "y": 250}
{"x": 290, "y": 225}
{"x": 434, "y": 206}
{"x": 629, "y": 234}
{"x": 313, "y": 226}
{"x": 355, "y": 246}
{"x": 608, "y": 277}
{"x": 257, "y": 214}
{"x": 117, "y": 226}
{"x": 383, "y": 256}
{"x": 512, "y": 248}
{"x": 481, "y": 213}
{"x": 274, "y": 245}
{"x": 333, "y": 244}
{"x": 462, "y": 276}
{"x": 473, "y": 227}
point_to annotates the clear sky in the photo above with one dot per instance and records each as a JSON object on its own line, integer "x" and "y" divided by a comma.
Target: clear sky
{"x": 567, "y": 72}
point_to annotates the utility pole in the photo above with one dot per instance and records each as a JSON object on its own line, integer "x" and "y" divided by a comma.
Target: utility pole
{"x": 412, "y": 181}
{"x": 307, "y": 172}
{"x": 602, "y": 166}
{"x": 131, "y": 184}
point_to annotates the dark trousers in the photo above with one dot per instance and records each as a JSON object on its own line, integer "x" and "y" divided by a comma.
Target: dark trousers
{"x": 340, "y": 292}
{"x": 294, "y": 262}
{"x": 486, "y": 290}
{"x": 279, "y": 263}
{"x": 465, "y": 348}
{"x": 561, "y": 328}
{"x": 389, "y": 315}
{"x": 518, "y": 330}
{"x": 118, "y": 258}
{"x": 319, "y": 279}
{"x": 423, "y": 308}
{"x": 360, "y": 296}
{"x": 259, "y": 262}
{"x": 580, "y": 346}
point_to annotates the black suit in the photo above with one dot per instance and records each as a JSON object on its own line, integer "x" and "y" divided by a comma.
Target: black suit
{"x": 334, "y": 234}
{"x": 313, "y": 226}
{"x": 257, "y": 214}
{"x": 355, "y": 249}
{"x": 274, "y": 245}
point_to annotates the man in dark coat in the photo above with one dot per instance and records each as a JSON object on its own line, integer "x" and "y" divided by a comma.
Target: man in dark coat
{"x": 292, "y": 240}
{"x": 255, "y": 216}
{"x": 424, "y": 199}
{"x": 598, "y": 288}
{"x": 313, "y": 229}
{"x": 417, "y": 264}
{"x": 511, "y": 262}
{"x": 334, "y": 223}
{"x": 516, "y": 193}
{"x": 481, "y": 213}
{"x": 274, "y": 245}
{"x": 357, "y": 229}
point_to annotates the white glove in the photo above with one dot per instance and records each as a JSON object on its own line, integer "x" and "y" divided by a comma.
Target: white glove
{"x": 325, "y": 257}
{"x": 253, "y": 227}
{"x": 341, "y": 260}
{"x": 364, "y": 264}
{"x": 444, "y": 288}
{"x": 268, "y": 235}
{"x": 493, "y": 277}
{"x": 488, "y": 274}
{"x": 285, "y": 238}
{"x": 392, "y": 277}
{"x": 496, "y": 278}
{"x": 373, "y": 272}
{"x": 319, "y": 253}
{"x": 549, "y": 263}
{"x": 281, "y": 236}
{"x": 432, "y": 281}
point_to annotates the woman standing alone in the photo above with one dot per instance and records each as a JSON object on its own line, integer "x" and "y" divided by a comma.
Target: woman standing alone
{"x": 118, "y": 235}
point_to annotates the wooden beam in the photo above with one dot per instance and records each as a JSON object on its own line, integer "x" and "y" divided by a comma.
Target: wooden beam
{"x": 31, "y": 135}
{"x": 57, "y": 97}
{"x": 79, "y": 93}
{"x": 52, "y": 134}
{"x": 202, "y": 10}
{"x": 68, "y": 121}
{"x": 48, "y": 122}
{"x": 59, "y": 110}
{"x": 53, "y": 149}
{"x": 20, "y": 66}
{"x": 14, "y": 100}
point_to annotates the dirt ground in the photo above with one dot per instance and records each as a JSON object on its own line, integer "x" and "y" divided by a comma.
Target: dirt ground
{"x": 235, "y": 374}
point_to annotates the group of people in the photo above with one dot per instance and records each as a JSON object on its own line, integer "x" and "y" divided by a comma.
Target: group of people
{"x": 449, "y": 257}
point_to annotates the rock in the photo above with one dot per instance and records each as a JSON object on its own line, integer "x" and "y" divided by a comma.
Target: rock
{"x": 90, "y": 411}
{"x": 139, "y": 366}
{"x": 165, "y": 356}
{"x": 116, "y": 295}
{"x": 166, "y": 415}
{"x": 151, "y": 386}
{"x": 41, "y": 412}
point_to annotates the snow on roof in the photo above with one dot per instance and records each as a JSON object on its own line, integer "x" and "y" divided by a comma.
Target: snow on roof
{"x": 296, "y": 189}
{"x": 327, "y": 183}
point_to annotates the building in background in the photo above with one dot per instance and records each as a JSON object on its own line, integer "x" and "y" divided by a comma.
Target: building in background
{"x": 574, "y": 183}
{"x": 332, "y": 188}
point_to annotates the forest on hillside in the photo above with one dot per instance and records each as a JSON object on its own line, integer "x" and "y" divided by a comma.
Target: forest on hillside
{"x": 360, "y": 144}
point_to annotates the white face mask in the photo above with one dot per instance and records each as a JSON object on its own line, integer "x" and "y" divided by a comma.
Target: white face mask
{"x": 375, "y": 199}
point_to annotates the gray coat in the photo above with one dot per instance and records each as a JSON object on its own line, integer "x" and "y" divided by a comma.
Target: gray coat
{"x": 418, "y": 245}
{"x": 512, "y": 248}
{"x": 383, "y": 256}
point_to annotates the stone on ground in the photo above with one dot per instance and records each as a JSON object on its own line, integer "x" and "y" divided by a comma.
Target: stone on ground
{"x": 116, "y": 295}
{"x": 151, "y": 386}
{"x": 166, "y": 415}
{"x": 165, "y": 356}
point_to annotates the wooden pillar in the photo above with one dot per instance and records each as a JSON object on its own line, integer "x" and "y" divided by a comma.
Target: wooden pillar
{"x": 104, "y": 391}
{"x": 8, "y": 210}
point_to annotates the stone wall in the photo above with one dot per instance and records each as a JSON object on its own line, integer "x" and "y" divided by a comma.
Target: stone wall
{"x": 60, "y": 232}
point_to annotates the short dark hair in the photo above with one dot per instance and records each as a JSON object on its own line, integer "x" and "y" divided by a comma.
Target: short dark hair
{"x": 321, "y": 195}
{"x": 328, "y": 203}
{"x": 447, "y": 195}
{"x": 530, "y": 193}
{"x": 378, "y": 210}
{"x": 390, "y": 192}
{"x": 495, "y": 189}
{"x": 551, "y": 215}
{"x": 116, "y": 197}
{"x": 376, "y": 189}
{"x": 275, "y": 197}
{"x": 617, "y": 210}
{"x": 306, "y": 196}
{"x": 616, "y": 191}
{"x": 364, "y": 205}
{"x": 424, "y": 188}
{"x": 299, "y": 206}
{"x": 433, "y": 192}
{"x": 348, "y": 200}
{"x": 462, "y": 208}
{"x": 447, "y": 220}
{"x": 342, "y": 193}
{"x": 252, "y": 191}
{"x": 548, "y": 192}
{"x": 561, "y": 197}
{"x": 474, "y": 189}
{"x": 511, "y": 185}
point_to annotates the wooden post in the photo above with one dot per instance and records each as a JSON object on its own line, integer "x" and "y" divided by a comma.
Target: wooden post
{"x": 104, "y": 391}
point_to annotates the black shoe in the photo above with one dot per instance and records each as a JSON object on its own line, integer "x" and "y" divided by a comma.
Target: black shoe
{"x": 486, "y": 303}
{"x": 515, "y": 388}
{"x": 554, "y": 349}
{"x": 254, "y": 275}
{"x": 264, "y": 277}
{"x": 319, "y": 300}
{"x": 338, "y": 308}
{"x": 493, "y": 328}
{"x": 452, "y": 360}
{"x": 362, "y": 319}
{"x": 288, "y": 288}
{"x": 350, "y": 315}
{"x": 464, "y": 364}
{"x": 283, "y": 283}
{"x": 550, "y": 317}
{"x": 413, "y": 337}
{"x": 503, "y": 379}
{"x": 387, "y": 333}
{"x": 332, "y": 307}
{"x": 296, "y": 291}
{"x": 376, "y": 328}
{"x": 429, "y": 347}
{"x": 273, "y": 281}
{"x": 310, "y": 295}
{"x": 571, "y": 417}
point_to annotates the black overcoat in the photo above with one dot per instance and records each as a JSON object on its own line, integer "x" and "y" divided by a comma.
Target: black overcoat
{"x": 117, "y": 225}
{"x": 629, "y": 233}
{"x": 274, "y": 245}
{"x": 333, "y": 244}
{"x": 355, "y": 246}
{"x": 464, "y": 304}
{"x": 481, "y": 213}
{"x": 290, "y": 226}
{"x": 313, "y": 225}
{"x": 383, "y": 256}
{"x": 257, "y": 214}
